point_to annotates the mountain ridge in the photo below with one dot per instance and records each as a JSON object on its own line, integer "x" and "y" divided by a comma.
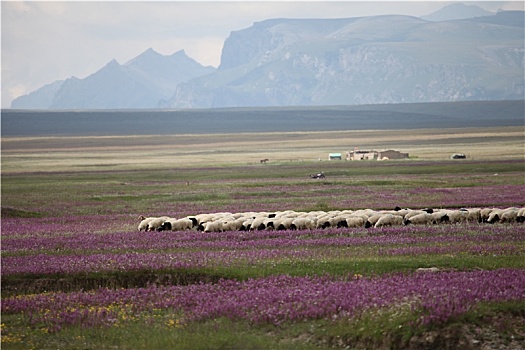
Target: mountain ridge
{"x": 307, "y": 62}
{"x": 366, "y": 60}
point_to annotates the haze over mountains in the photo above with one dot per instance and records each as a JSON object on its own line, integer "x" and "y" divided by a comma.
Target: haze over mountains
{"x": 460, "y": 53}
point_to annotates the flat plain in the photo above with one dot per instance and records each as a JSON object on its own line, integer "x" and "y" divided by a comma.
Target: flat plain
{"x": 82, "y": 153}
{"x": 76, "y": 273}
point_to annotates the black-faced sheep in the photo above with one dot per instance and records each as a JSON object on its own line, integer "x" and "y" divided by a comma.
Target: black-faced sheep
{"x": 420, "y": 219}
{"x": 355, "y": 221}
{"x": 485, "y": 213}
{"x": 455, "y": 216}
{"x": 439, "y": 217}
{"x": 374, "y": 218}
{"x": 231, "y": 225}
{"x": 285, "y": 224}
{"x": 323, "y": 222}
{"x": 520, "y": 217}
{"x": 302, "y": 223}
{"x": 474, "y": 214}
{"x": 213, "y": 226}
{"x": 246, "y": 224}
{"x": 258, "y": 223}
{"x": 178, "y": 224}
{"x": 156, "y": 223}
{"x": 509, "y": 215}
{"x": 144, "y": 221}
{"x": 494, "y": 216}
{"x": 389, "y": 220}
{"x": 338, "y": 221}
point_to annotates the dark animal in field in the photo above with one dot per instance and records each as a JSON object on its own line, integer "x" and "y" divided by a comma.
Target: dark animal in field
{"x": 264, "y": 160}
{"x": 318, "y": 175}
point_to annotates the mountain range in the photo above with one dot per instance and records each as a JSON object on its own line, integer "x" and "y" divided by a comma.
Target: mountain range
{"x": 459, "y": 53}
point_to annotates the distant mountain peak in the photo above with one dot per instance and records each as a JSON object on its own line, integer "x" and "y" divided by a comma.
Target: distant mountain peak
{"x": 456, "y": 11}
{"x": 179, "y": 53}
{"x": 142, "y": 82}
{"x": 112, "y": 63}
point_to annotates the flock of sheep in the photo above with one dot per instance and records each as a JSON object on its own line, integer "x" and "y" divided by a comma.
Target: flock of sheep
{"x": 293, "y": 220}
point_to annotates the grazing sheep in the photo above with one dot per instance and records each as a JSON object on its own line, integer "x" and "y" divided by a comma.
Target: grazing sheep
{"x": 457, "y": 216}
{"x": 286, "y": 224}
{"x": 258, "y": 223}
{"x": 156, "y": 223}
{"x": 291, "y": 220}
{"x": 323, "y": 222}
{"x": 485, "y": 213}
{"x": 231, "y": 225}
{"x": 412, "y": 213}
{"x": 269, "y": 223}
{"x": 178, "y": 224}
{"x": 509, "y": 215}
{"x": 338, "y": 221}
{"x": 275, "y": 223}
{"x": 303, "y": 223}
{"x": 439, "y": 217}
{"x": 389, "y": 220}
{"x": 420, "y": 219}
{"x": 143, "y": 225}
{"x": 374, "y": 219}
{"x": 520, "y": 217}
{"x": 474, "y": 214}
{"x": 494, "y": 216}
{"x": 355, "y": 221}
{"x": 203, "y": 218}
{"x": 213, "y": 226}
{"x": 246, "y": 224}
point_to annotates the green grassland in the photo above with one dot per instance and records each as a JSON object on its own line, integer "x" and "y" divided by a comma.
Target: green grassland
{"x": 70, "y": 179}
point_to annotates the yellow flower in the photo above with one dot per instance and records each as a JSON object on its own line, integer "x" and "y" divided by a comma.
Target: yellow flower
{"x": 173, "y": 323}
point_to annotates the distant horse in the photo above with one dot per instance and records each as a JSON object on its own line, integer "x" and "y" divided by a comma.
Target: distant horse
{"x": 264, "y": 160}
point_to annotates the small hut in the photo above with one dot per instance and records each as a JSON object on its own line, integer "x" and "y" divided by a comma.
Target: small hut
{"x": 332, "y": 156}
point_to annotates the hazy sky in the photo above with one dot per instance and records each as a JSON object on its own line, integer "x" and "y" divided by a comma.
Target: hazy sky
{"x": 44, "y": 41}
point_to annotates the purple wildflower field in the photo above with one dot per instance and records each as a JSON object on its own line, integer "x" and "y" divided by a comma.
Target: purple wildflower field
{"x": 279, "y": 299}
{"x": 44, "y": 246}
{"x": 35, "y": 249}
{"x": 274, "y": 278}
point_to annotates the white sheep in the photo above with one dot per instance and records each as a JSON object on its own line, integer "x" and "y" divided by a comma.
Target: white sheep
{"x": 338, "y": 221}
{"x": 389, "y": 220}
{"x": 474, "y": 214}
{"x": 494, "y": 216}
{"x": 373, "y": 219}
{"x": 439, "y": 217}
{"x": 303, "y": 223}
{"x": 323, "y": 222}
{"x": 420, "y": 219}
{"x": 412, "y": 212}
{"x": 156, "y": 223}
{"x": 258, "y": 223}
{"x": 144, "y": 221}
{"x": 285, "y": 224}
{"x": 178, "y": 224}
{"x": 485, "y": 213}
{"x": 231, "y": 225}
{"x": 355, "y": 221}
{"x": 246, "y": 224}
{"x": 213, "y": 226}
{"x": 202, "y": 218}
{"x": 509, "y": 215}
{"x": 520, "y": 217}
{"x": 457, "y": 216}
